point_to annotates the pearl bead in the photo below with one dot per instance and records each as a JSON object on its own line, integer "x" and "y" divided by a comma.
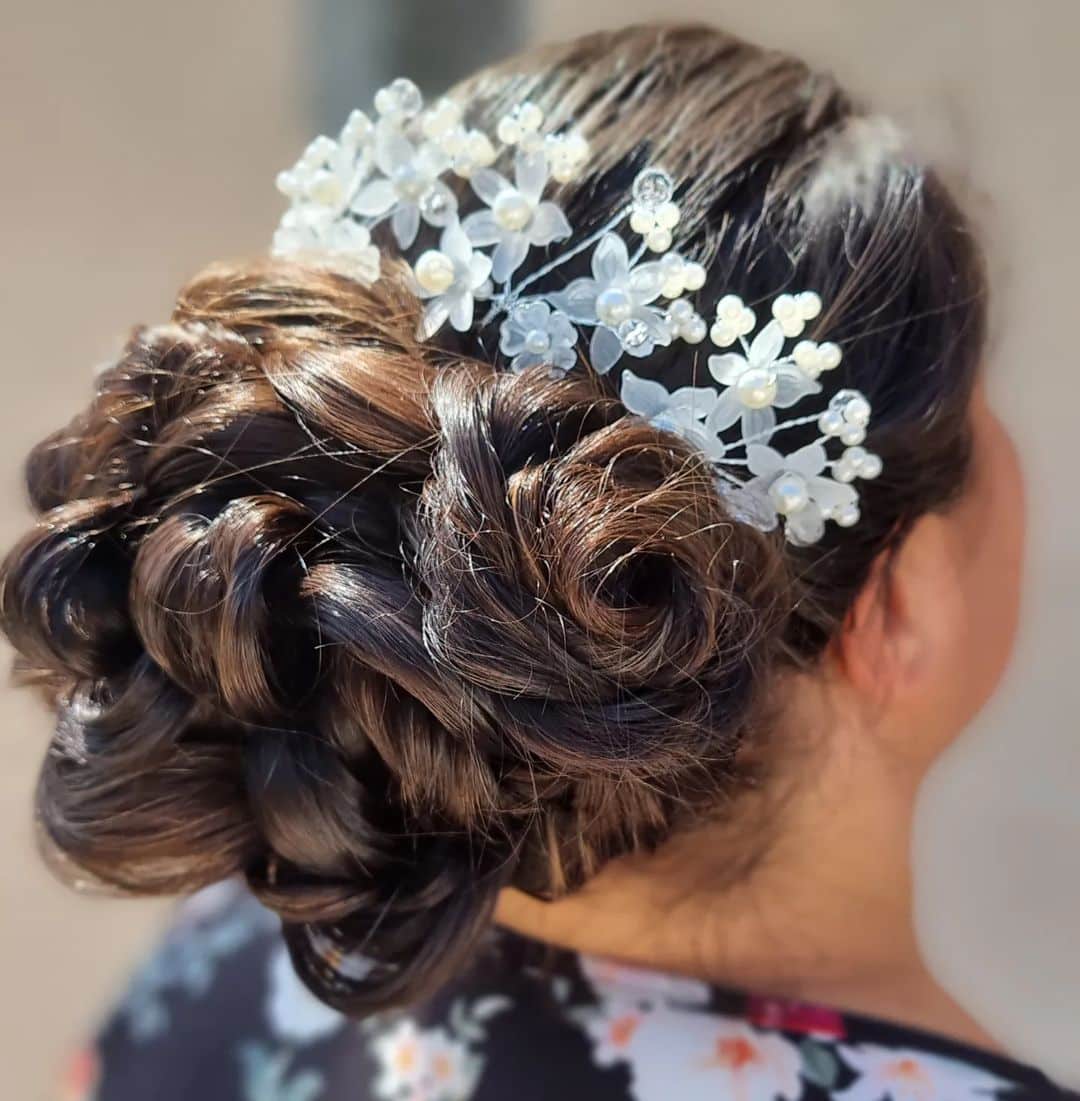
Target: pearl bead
{"x": 723, "y": 334}
{"x": 659, "y": 240}
{"x": 831, "y": 422}
{"x": 673, "y": 287}
{"x": 479, "y": 149}
{"x": 789, "y": 494}
{"x": 843, "y": 471}
{"x": 667, "y": 216}
{"x": 830, "y": 355}
{"x": 435, "y": 272}
{"x": 806, "y": 358}
{"x": 319, "y": 151}
{"x": 857, "y": 411}
{"x": 288, "y": 183}
{"x": 538, "y": 341}
{"x": 854, "y": 456}
{"x": 512, "y": 210}
{"x": 443, "y": 117}
{"x": 746, "y": 322}
{"x": 756, "y": 388}
{"x": 792, "y": 326}
{"x": 326, "y": 188}
{"x": 641, "y": 221}
{"x": 785, "y": 307}
{"x": 672, "y": 265}
{"x": 870, "y": 467}
{"x": 681, "y": 310}
{"x": 809, "y": 305}
{"x": 530, "y": 117}
{"x": 613, "y": 306}
{"x": 509, "y": 130}
{"x": 693, "y": 276}
{"x": 847, "y": 516}
{"x": 729, "y": 308}
{"x": 693, "y": 332}
{"x": 852, "y": 434}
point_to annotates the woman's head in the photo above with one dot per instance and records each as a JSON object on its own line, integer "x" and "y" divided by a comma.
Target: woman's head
{"x": 386, "y": 629}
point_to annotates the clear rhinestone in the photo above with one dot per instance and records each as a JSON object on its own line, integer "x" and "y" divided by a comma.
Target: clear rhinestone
{"x": 633, "y": 333}
{"x": 408, "y": 96}
{"x": 652, "y": 188}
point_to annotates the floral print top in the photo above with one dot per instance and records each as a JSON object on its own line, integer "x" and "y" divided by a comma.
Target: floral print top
{"x": 218, "y": 1015}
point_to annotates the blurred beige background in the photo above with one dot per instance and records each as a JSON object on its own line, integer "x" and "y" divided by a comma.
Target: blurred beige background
{"x": 141, "y": 140}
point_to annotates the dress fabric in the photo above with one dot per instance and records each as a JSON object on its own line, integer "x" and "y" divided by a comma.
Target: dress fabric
{"x": 217, "y": 1014}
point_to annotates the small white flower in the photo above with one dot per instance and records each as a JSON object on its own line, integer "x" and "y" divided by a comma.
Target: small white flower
{"x": 681, "y": 412}
{"x": 401, "y": 99}
{"x": 616, "y": 299}
{"x": 452, "y": 277}
{"x": 756, "y": 382}
{"x": 914, "y": 1076}
{"x": 329, "y": 171}
{"x": 535, "y": 334}
{"x": 338, "y": 241}
{"x": 410, "y": 188}
{"x": 795, "y": 487}
{"x": 401, "y": 1057}
{"x": 517, "y": 219}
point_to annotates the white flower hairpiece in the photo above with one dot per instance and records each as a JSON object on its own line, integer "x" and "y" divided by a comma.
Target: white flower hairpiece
{"x": 396, "y": 170}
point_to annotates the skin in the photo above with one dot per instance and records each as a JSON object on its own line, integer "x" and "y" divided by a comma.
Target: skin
{"x": 826, "y": 916}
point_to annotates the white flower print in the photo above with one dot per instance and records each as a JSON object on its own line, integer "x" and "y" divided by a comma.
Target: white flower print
{"x": 886, "y": 1074}
{"x": 409, "y": 188}
{"x": 517, "y": 217}
{"x": 423, "y": 1065}
{"x": 699, "y": 1055}
{"x": 756, "y": 382}
{"x": 793, "y": 486}
{"x": 680, "y": 412}
{"x": 452, "y": 277}
{"x": 534, "y": 333}
{"x": 616, "y": 299}
{"x": 338, "y": 242}
{"x": 293, "y": 1012}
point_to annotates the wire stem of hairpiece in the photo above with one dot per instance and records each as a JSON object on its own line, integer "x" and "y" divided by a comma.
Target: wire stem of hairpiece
{"x": 796, "y": 422}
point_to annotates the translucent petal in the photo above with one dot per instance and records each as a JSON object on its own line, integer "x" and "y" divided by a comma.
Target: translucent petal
{"x": 832, "y": 494}
{"x": 487, "y": 183}
{"x": 435, "y": 315}
{"x": 610, "y": 261}
{"x": 750, "y": 503}
{"x": 758, "y": 424}
{"x": 482, "y": 229}
{"x": 392, "y": 149}
{"x": 805, "y": 526}
{"x": 406, "y": 224}
{"x": 461, "y": 312}
{"x": 456, "y": 244}
{"x": 479, "y": 269}
{"x": 431, "y": 160}
{"x": 605, "y": 350}
{"x": 374, "y": 199}
{"x": 792, "y": 386}
{"x": 647, "y": 281}
{"x": 511, "y": 338}
{"x": 698, "y": 401}
{"x": 659, "y": 332}
{"x": 531, "y": 174}
{"x": 807, "y": 461}
{"x": 728, "y": 368}
{"x": 508, "y": 256}
{"x": 725, "y": 412}
{"x": 446, "y": 212}
{"x": 526, "y": 360}
{"x": 643, "y": 396}
{"x": 765, "y": 462}
{"x": 548, "y": 224}
{"x": 562, "y": 331}
{"x": 577, "y": 301}
{"x": 767, "y": 345}
{"x": 532, "y": 315}
{"x": 564, "y": 357}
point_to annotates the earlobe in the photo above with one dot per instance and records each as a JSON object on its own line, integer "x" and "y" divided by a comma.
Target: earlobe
{"x": 865, "y": 646}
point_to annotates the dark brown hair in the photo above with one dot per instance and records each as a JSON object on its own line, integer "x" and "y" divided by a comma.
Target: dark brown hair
{"x": 385, "y": 628}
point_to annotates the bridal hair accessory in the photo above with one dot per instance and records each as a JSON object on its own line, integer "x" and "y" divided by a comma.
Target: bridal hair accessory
{"x": 393, "y": 171}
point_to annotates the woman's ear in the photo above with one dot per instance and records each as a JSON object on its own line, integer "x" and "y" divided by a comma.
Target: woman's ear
{"x": 898, "y": 638}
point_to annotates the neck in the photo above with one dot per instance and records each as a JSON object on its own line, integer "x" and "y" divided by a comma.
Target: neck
{"x": 824, "y": 916}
